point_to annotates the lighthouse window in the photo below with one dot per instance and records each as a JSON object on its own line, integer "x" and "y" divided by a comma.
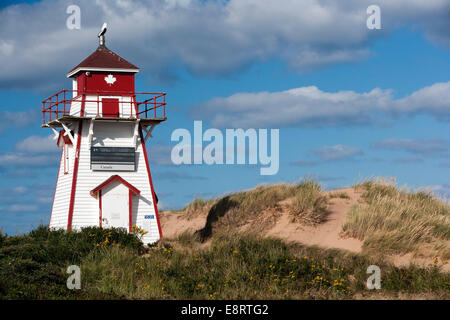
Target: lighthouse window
{"x": 113, "y": 159}
{"x": 66, "y": 158}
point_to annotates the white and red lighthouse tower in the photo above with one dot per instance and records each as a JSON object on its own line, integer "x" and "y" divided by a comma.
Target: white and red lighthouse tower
{"x": 101, "y": 126}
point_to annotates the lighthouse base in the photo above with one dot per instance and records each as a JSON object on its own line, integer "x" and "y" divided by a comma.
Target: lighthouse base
{"x": 86, "y": 197}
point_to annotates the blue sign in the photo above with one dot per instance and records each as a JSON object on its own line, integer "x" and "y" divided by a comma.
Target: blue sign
{"x": 149, "y": 217}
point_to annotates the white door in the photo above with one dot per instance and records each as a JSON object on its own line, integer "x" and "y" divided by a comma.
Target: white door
{"x": 115, "y": 206}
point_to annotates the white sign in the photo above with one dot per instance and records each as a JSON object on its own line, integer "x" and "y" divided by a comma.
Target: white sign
{"x": 113, "y": 167}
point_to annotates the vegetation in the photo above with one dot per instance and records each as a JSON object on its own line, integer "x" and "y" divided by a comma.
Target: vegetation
{"x": 236, "y": 264}
{"x": 33, "y": 266}
{"x": 242, "y": 266}
{"x": 396, "y": 221}
{"x": 249, "y": 267}
{"x": 310, "y": 205}
{"x": 341, "y": 195}
{"x": 198, "y": 206}
{"x": 260, "y": 207}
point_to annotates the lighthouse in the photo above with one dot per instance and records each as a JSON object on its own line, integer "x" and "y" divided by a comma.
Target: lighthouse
{"x": 101, "y": 127}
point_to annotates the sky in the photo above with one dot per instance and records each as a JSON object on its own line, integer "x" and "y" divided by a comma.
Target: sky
{"x": 350, "y": 103}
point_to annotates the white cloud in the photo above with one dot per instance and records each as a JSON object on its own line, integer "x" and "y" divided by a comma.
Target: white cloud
{"x": 37, "y": 144}
{"x": 21, "y": 207}
{"x": 44, "y": 200}
{"x": 310, "y": 106}
{"x": 435, "y": 146}
{"x": 6, "y": 48}
{"x": 337, "y": 152}
{"x": 34, "y": 151}
{"x": 19, "y": 190}
{"x": 176, "y": 176}
{"x": 159, "y": 154}
{"x": 409, "y": 159}
{"x": 304, "y": 163}
{"x": 434, "y": 99}
{"x": 206, "y": 37}
{"x": 7, "y": 192}
{"x": 17, "y": 119}
{"x": 27, "y": 159}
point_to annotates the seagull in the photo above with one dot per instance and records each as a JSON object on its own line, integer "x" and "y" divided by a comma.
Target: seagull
{"x": 102, "y": 32}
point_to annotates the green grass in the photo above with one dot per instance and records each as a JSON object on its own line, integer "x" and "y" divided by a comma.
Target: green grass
{"x": 250, "y": 267}
{"x": 239, "y": 265}
{"x": 33, "y": 266}
{"x": 395, "y": 221}
{"x": 243, "y": 266}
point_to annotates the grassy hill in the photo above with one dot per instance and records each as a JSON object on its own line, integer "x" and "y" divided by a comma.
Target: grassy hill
{"x": 232, "y": 255}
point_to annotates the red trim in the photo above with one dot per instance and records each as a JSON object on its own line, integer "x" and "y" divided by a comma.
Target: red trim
{"x": 112, "y": 179}
{"x": 66, "y": 165}
{"x": 75, "y": 174}
{"x": 147, "y": 104}
{"x": 56, "y": 186}
{"x": 83, "y": 105}
{"x": 66, "y": 139}
{"x": 150, "y": 180}
{"x": 130, "y": 209}
{"x": 100, "y": 206}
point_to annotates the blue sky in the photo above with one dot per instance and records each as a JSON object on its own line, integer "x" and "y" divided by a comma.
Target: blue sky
{"x": 376, "y": 103}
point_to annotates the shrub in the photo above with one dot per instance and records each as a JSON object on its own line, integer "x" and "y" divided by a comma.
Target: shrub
{"x": 33, "y": 266}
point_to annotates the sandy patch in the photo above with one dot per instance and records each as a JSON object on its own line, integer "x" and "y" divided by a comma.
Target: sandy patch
{"x": 326, "y": 234}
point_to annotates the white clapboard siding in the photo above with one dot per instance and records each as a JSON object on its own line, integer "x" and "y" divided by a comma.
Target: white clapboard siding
{"x": 93, "y": 106}
{"x": 60, "y": 208}
{"x": 75, "y": 107}
{"x": 86, "y": 208}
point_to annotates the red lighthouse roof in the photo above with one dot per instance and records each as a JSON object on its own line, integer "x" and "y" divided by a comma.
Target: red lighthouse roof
{"x": 103, "y": 59}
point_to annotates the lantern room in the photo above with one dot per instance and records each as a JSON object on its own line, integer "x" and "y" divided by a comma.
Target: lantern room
{"x": 103, "y": 86}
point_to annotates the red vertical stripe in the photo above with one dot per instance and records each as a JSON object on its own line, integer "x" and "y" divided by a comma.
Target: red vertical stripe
{"x": 150, "y": 180}
{"x": 100, "y": 207}
{"x": 83, "y": 100}
{"x": 75, "y": 174}
{"x": 130, "y": 209}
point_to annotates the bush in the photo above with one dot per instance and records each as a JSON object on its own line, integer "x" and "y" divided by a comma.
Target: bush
{"x": 33, "y": 266}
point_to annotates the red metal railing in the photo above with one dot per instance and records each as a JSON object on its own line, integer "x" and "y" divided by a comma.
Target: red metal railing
{"x": 141, "y": 104}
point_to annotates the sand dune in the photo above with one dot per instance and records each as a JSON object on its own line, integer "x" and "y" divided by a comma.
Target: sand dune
{"x": 327, "y": 234}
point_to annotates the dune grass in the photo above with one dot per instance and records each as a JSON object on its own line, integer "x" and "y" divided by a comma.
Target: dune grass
{"x": 260, "y": 207}
{"x": 198, "y": 207}
{"x": 246, "y": 266}
{"x": 396, "y": 221}
{"x": 341, "y": 195}
{"x": 310, "y": 205}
